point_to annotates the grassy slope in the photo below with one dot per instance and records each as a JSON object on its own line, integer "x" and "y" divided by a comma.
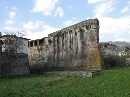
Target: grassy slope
{"x": 112, "y": 83}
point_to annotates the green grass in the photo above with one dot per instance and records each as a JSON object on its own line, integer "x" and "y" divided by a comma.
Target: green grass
{"x": 111, "y": 83}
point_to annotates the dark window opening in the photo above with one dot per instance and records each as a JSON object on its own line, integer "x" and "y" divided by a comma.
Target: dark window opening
{"x": 41, "y": 42}
{"x": 87, "y": 27}
{"x": 50, "y": 41}
{"x": 31, "y": 44}
{"x": 35, "y": 43}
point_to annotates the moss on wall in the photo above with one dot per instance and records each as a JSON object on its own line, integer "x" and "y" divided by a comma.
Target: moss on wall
{"x": 97, "y": 63}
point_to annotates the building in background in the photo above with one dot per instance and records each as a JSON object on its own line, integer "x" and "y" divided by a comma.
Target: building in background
{"x": 1, "y": 43}
{"x": 13, "y": 56}
{"x": 12, "y": 42}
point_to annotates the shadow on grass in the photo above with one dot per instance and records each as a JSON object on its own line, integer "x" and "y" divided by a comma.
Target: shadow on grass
{"x": 31, "y": 75}
{"x": 35, "y": 75}
{"x": 118, "y": 67}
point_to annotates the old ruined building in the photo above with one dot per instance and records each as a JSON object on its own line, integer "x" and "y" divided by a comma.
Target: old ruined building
{"x": 38, "y": 53}
{"x": 108, "y": 49}
{"x": 75, "y": 46}
{"x": 109, "y": 54}
{"x": 1, "y": 43}
{"x": 13, "y": 60}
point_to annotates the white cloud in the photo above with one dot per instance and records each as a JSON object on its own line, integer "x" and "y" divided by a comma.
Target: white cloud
{"x": 129, "y": 31}
{"x": 44, "y": 6}
{"x": 125, "y": 9}
{"x": 70, "y": 7}
{"x": 9, "y": 22}
{"x": 120, "y": 39}
{"x": 104, "y": 8}
{"x": 59, "y": 11}
{"x": 70, "y": 22}
{"x": 7, "y": 28}
{"x": 40, "y": 34}
{"x": 94, "y": 1}
{"x": 87, "y": 18}
{"x": 38, "y": 29}
{"x": 128, "y": 2}
{"x": 12, "y": 14}
{"x": 113, "y": 29}
{"x": 33, "y": 25}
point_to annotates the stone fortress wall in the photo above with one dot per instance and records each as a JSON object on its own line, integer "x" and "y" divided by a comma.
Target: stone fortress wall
{"x": 70, "y": 47}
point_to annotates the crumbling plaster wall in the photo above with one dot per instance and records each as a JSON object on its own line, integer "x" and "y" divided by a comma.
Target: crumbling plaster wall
{"x": 74, "y": 46}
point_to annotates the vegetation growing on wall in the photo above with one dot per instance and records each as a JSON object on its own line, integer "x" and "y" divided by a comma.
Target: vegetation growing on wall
{"x": 98, "y": 62}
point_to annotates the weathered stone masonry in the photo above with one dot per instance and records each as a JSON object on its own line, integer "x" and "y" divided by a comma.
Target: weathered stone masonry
{"x": 38, "y": 53}
{"x": 13, "y": 64}
{"x": 74, "y": 46}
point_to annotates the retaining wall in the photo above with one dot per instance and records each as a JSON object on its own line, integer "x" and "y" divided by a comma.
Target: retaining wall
{"x": 14, "y": 64}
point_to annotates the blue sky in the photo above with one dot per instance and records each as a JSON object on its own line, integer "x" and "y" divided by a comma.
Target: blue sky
{"x": 38, "y": 18}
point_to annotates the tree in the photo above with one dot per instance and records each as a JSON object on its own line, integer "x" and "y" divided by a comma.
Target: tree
{"x": 12, "y": 45}
{"x": 12, "y": 60}
{"x": 127, "y": 49}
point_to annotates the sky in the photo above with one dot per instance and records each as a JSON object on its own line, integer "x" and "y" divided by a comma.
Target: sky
{"x": 38, "y": 18}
